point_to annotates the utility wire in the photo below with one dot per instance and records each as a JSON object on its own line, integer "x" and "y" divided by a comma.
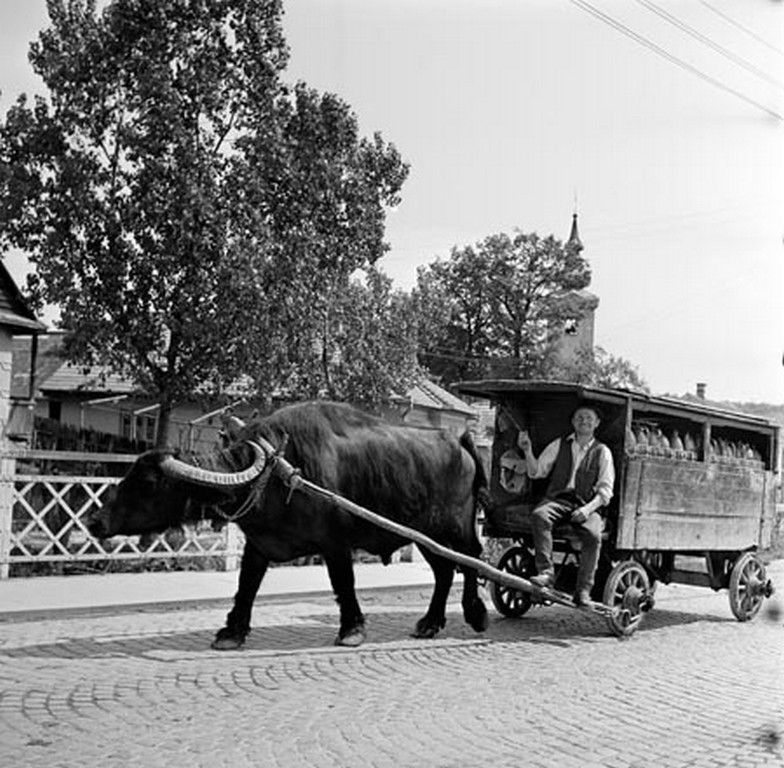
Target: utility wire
{"x": 742, "y": 28}
{"x": 672, "y": 222}
{"x": 650, "y": 45}
{"x": 689, "y": 30}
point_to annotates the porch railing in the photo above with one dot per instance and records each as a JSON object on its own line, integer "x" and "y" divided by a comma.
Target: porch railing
{"x": 44, "y": 505}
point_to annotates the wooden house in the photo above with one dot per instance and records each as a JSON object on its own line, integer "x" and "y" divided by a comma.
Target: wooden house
{"x": 15, "y": 318}
{"x": 85, "y": 408}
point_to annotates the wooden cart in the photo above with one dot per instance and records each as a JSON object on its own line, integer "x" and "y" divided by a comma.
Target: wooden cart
{"x": 693, "y": 500}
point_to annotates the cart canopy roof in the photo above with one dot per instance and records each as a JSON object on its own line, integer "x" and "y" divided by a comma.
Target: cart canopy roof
{"x": 511, "y": 390}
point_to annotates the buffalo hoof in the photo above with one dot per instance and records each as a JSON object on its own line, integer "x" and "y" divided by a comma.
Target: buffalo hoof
{"x": 352, "y": 638}
{"x": 427, "y": 628}
{"x": 477, "y": 617}
{"x": 227, "y": 640}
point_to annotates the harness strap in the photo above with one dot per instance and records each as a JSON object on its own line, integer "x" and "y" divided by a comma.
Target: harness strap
{"x": 256, "y": 492}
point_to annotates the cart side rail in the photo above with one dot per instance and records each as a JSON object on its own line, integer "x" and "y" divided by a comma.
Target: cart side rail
{"x": 695, "y": 506}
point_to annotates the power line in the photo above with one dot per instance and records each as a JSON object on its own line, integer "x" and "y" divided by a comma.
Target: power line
{"x": 678, "y": 304}
{"x": 742, "y": 28}
{"x": 689, "y": 30}
{"x": 684, "y": 220}
{"x": 650, "y": 45}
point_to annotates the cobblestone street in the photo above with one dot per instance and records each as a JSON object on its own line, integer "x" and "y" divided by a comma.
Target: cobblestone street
{"x": 693, "y": 687}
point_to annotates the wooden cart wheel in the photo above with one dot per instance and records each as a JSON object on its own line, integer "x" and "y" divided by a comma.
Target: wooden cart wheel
{"x": 748, "y": 586}
{"x": 628, "y": 593}
{"x": 510, "y": 602}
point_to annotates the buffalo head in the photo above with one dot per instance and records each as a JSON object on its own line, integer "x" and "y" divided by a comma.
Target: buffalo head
{"x": 158, "y": 490}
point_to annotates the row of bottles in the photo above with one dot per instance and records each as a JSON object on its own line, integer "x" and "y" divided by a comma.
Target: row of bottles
{"x": 650, "y": 440}
{"x": 646, "y": 440}
{"x": 724, "y": 451}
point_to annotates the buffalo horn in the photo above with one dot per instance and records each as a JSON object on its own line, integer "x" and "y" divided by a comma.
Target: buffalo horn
{"x": 180, "y": 470}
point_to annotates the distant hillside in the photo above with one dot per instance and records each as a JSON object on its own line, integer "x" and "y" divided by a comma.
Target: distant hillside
{"x": 774, "y": 413}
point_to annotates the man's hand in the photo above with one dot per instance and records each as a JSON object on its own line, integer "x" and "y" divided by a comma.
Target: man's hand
{"x": 551, "y": 515}
{"x": 579, "y": 515}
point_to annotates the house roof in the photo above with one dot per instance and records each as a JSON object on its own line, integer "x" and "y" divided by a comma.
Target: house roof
{"x": 95, "y": 380}
{"x": 426, "y": 394}
{"x": 53, "y": 374}
{"x": 14, "y": 312}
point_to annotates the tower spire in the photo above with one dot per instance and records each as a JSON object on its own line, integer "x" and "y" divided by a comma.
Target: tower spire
{"x": 574, "y": 236}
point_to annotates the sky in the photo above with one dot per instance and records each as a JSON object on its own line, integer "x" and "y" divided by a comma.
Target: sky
{"x": 660, "y": 122}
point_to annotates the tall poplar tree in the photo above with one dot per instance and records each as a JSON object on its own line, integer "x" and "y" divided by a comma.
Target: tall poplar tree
{"x": 182, "y": 206}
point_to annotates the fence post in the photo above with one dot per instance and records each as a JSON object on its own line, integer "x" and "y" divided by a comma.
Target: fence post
{"x": 232, "y": 543}
{"x": 7, "y": 473}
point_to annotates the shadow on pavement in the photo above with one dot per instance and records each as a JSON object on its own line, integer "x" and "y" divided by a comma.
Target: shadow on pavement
{"x": 553, "y": 625}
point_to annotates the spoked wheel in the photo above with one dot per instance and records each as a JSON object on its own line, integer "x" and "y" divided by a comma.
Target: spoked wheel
{"x": 749, "y": 586}
{"x": 509, "y": 602}
{"x": 628, "y": 593}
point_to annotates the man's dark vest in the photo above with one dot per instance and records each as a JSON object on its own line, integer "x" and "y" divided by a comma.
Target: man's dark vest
{"x": 587, "y": 473}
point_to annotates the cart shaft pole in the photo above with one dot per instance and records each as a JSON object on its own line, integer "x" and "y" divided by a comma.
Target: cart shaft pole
{"x": 292, "y": 478}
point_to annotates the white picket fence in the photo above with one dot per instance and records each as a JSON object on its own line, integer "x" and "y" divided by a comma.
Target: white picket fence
{"x": 42, "y": 517}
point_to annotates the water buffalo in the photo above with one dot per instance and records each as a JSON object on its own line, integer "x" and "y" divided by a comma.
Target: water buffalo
{"x": 421, "y": 478}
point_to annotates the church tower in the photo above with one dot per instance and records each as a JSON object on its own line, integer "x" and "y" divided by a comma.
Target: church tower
{"x": 577, "y": 334}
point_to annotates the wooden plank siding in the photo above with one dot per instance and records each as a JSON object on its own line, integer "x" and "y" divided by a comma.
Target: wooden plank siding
{"x": 694, "y": 506}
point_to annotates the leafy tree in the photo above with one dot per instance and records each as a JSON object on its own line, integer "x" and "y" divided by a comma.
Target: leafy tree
{"x": 324, "y": 189}
{"x": 452, "y": 303}
{"x": 493, "y": 308}
{"x": 598, "y": 368}
{"x": 185, "y": 209}
{"x": 368, "y": 344}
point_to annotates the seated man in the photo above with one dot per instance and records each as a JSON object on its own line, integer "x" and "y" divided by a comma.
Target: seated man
{"x": 581, "y": 475}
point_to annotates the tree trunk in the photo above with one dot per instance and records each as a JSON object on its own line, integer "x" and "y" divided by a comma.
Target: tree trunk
{"x": 164, "y": 421}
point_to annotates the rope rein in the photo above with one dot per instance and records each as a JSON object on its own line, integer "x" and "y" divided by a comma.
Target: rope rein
{"x": 258, "y": 486}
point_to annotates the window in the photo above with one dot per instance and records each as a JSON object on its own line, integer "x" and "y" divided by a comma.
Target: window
{"x": 145, "y": 428}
